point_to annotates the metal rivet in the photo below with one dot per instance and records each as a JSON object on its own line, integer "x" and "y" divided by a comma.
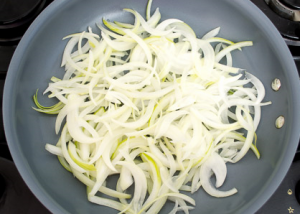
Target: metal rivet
{"x": 276, "y": 84}
{"x": 279, "y": 122}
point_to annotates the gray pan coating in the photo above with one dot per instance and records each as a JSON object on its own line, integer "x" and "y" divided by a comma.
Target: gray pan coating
{"x": 38, "y": 57}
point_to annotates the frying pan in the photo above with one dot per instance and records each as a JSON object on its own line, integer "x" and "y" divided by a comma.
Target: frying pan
{"x": 38, "y": 56}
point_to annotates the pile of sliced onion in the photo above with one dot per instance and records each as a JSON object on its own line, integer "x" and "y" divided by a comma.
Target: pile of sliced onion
{"x": 151, "y": 103}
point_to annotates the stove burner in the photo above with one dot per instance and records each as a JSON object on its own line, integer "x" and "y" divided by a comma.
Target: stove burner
{"x": 15, "y": 196}
{"x": 12, "y": 10}
{"x": 284, "y": 11}
{"x": 6, "y": 53}
{"x": 283, "y": 18}
{"x": 15, "y": 17}
{"x": 292, "y": 3}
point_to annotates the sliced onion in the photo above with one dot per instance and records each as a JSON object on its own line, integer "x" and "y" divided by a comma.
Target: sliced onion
{"x": 156, "y": 106}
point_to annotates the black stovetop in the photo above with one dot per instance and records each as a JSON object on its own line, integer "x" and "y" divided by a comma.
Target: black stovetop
{"x": 16, "y": 16}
